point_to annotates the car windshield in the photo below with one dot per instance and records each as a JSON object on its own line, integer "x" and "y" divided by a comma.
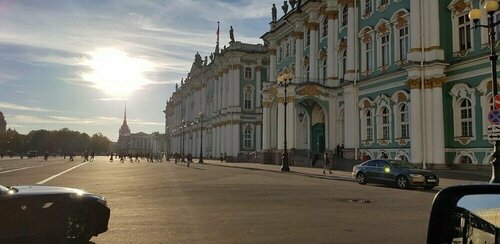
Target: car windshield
{"x": 401, "y": 164}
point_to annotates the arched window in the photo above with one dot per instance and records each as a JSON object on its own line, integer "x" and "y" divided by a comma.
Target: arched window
{"x": 344, "y": 16}
{"x": 247, "y": 137}
{"x": 248, "y": 97}
{"x": 248, "y": 73}
{"x": 404, "y": 121}
{"x": 287, "y": 49}
{"x": 404, "y": 43}
{"x": 465, "y": 160}
{"x": 386, "y": 126}
{"x": 325, "y": 27}
{"x": 403, "y": 157}
{"x": 369, "y": 56}
{"x": 385, "y": 52}
{"x": 369, "y": 125}
{"x": 466, "y": 117}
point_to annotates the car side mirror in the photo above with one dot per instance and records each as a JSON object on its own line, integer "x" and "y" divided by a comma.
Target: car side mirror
{"x": 466, "y": 214}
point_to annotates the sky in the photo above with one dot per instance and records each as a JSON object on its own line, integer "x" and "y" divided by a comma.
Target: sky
{"x": 73, "y": 64}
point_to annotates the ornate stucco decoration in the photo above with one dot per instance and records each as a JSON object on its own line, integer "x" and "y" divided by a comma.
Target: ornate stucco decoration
{"x": 272, "y": 51}
{"x": 273, "y": 91}
{"x": 322, "y": 10}
{"x": 401, "y": 98}
{"x": 332, "y": 14}
{"x": 414, "y": 83}
{"x": 306, "y": 61}
{"x": 289, "y": 99}
{"x": 367, "y": 37}
{"x": 348, "y": 3}
{"x": 342, "y": 46}
{"x": 383, "y": 142}
{"x": 323, "y": 54}
{"x": 266, "y": 104}
{"x": 437, "y": 82}
{"x": 401, "y": 20}
{"x": 460, "y": 6}
{"x": 382, "y": 28}
{"x": 309, "y": 90}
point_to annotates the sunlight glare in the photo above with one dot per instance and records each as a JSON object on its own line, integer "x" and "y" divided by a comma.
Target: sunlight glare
{"x": 115, "y": 72}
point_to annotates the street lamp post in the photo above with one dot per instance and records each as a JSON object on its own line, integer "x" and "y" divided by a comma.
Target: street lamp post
{"x": 201, "y": 136}
{"x": 491, "y": 6}
{"x": 284, "y": 80}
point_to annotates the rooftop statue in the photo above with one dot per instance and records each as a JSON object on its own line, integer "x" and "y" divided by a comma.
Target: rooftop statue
{"x": 211, "y": 57}
{"x": 292, "y": 3}
{"x": 231, "y": 34}
{"x": 176, "y": 87}
{"x": 273, "y": 12}
{"x": 205, "y": 62}
{"x": 182, "y": 81}
{"x": 299, "y": 4}
{"x": 285, "y": 7}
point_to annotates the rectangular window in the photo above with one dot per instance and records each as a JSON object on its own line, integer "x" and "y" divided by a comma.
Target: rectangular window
{"x": 385, "y": 132}
{"x": 464, "y": 39}
{"x": 403, "y": 43}
{"x": 368, "y": 7}
{"x": 369, "y": 56}
{"x": 385, "y": 50}
{"x": 467, "y": 128}
{"x": 405, "y": 131}
{"x": 369, "y": 133}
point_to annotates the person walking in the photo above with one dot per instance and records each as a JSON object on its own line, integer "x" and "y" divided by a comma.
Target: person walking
{"x": 326, "y": 162}
{"x": 189, "y": 158}
{"x": 92, "y": 156}
{"x": 111, "y": 158}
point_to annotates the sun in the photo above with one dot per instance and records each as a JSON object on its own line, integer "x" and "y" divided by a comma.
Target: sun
{"x": 115, "y": 72}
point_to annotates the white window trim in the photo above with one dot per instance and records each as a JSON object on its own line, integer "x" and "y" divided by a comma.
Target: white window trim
{"x": 361, "y": 35}
{"x": 366, "y": 105}
{"x": 251, "y": 73}
{"x": 379, "y": 64}
{"x": 458, "y": 92}
{"x": 486, "y": 93}
{"x": 461, "y": 154}
{"x": 252, "y": 135}
{"x": 455, "y": 33}
{"x": 252, "y": 97}
{"x": 383, "y": 102}
{"x": 397, "y": 37}
{"x": 364, "y": 14}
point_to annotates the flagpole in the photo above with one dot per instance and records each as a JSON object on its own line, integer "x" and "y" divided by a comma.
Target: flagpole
{"x": 217, "y": 47}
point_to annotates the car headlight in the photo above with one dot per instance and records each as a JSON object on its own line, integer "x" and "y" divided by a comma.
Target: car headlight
{"x": 416, "y": 175}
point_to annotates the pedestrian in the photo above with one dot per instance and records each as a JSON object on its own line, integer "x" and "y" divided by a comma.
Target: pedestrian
{"x": 46, "y": 156}
{"x": 342, "y": 151}
{"x": 326, "y": 162}
{"x": 111, "y": 158}
{"x": 85, "y": 156}
{"x": 225, "y": 157}
{"x": 189, "y": 159}
{"x": 92, "y": 156}
{"x": 221, "y": 157}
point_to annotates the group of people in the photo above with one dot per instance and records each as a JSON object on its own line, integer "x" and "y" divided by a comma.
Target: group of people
{"x": 150, "y": 157}
{"x": 188, "y": 158}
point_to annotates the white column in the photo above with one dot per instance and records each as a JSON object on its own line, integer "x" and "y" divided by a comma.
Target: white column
{"x": 415, "y": 122}
{"x": 350, "y": 111}
{"x": 219, "y": 140}
{"x": 433, "y": 43}
{"x": 258, "y": 137}
{"x": 236, "y": 85}
{"x": 290, "y": 119}
{"x": 299, "y": 52}
{"x": 280, "y": 128}
{"x": 429, "y": 143}
{"x": 214, "y": 141}
{"x": 415, "y": 32}
{"x": 332, "y": 78}
{"x": 313, "y": 52}
{"x": 272, "y": 62}
{"x": 236, "y": 139}
{"x": 258, "y": 84}
{"x": 351, "y": 39}
{"x": 332, "y": 123}
{"x": 219, "y": 92}
{"x": 230, "y": 86}
{"x": 266, "y": 127}
{"x": 438, "y": 124}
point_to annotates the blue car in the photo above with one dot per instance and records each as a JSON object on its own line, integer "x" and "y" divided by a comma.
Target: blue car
{"x": 388, "y": 171}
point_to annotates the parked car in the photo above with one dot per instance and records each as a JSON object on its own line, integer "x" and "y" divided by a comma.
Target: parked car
{"x": 59, "y": 213}
{"x": 388, "y": 171}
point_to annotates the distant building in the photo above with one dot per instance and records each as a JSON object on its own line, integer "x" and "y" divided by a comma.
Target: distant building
{"x": 141, "y": 142}
{"x": 3, "y": 123}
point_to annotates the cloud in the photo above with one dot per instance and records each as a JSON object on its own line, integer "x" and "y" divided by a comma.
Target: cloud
{"x": 13, "y": 106}
{"x": 100, "y": 120}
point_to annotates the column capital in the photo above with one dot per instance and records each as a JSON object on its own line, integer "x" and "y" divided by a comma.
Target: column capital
{"x": 298, "y": 35}
{"x": 348, "y": 3}
{"x": 312, "y": 26}
{"x": 437, "y": 82}
{"x": 272, "y": 51}
{"x": 332, "y": 14}
{"x": 414, "y": 83}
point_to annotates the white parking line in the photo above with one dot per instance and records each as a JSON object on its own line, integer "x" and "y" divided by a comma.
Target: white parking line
{"x": 23, "y": 168}
{"x": 57, "y": 175}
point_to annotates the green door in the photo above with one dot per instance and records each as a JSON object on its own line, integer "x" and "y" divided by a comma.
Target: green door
{"x": 318, "y": 138}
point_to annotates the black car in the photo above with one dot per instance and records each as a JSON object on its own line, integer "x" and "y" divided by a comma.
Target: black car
{"x": 57, "y": 213}
{"x": 401, "y": 173}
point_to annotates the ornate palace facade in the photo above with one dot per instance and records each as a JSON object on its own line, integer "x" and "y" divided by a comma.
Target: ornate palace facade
{"x": 223, "y": 93}
{"x": 403, "y": 79}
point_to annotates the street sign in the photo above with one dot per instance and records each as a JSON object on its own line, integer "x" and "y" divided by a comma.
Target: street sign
{"x": 497, "y": 102}
{"x": 493, "y": 128}
{"x": 494, "y": 137}
{"x": 494, "y": 116}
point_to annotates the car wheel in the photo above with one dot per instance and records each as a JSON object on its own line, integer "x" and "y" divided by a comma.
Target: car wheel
{"x": 361, "y": 178}
{"x": 402, "y": 182}
{"x": 77, "y": 227}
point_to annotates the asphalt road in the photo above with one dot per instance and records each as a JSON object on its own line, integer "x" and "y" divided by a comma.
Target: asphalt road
{"x": 168, "y": 203}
